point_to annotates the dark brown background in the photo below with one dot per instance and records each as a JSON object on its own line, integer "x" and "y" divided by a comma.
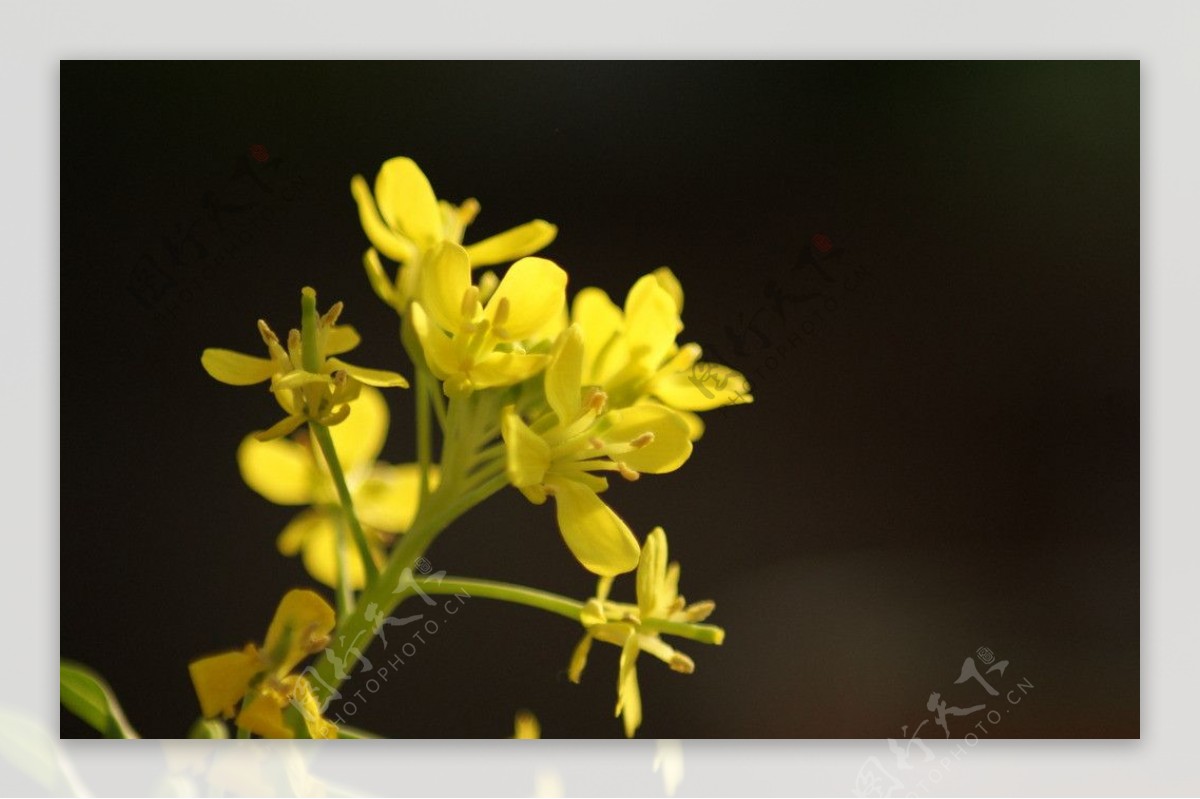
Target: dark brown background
{"x": 944, "y": 450}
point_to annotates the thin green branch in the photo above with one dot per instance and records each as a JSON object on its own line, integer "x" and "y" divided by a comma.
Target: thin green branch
{"x": 321, "y": 433}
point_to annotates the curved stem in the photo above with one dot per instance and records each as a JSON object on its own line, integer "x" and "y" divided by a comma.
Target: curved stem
{"x": 424, "y": 428}
{"x": 504, "y": 592}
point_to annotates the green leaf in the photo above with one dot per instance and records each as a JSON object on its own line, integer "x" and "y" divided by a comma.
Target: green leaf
{"x": 208, "y": 728}
{"x": 86, "y": 694}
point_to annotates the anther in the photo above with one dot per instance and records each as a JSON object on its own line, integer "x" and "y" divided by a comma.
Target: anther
{"x": 268, "y": 335}
{"x": 629, "y": 474}
{"x": 595, "y": 443}
{"x": 502, "y": 310}
{"x": 682, "y": 663}
{"x": 467, "y": 211}
{"x": 642, "y": 440}
{"x": 331, "y": 316}
{"x": 594, "y": 399}
{"x": 469, "y": 300}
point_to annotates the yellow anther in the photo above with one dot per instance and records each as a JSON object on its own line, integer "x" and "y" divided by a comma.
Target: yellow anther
{"x": 469, "y": 301}
{"x": 626, "y": 472}
{"x": 642, "y": 440}
{"x": 595, "y": 443}
{"x": 331, "y": 316}
{"x": 468, "y": 211}
{"x": 268, "y": 335}
{"x": 682, "y": 663}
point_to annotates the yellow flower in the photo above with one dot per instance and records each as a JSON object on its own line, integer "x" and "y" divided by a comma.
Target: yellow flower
{"x": 559, "y": 455}
{"x": 323, "y": 395}
{"x": 625, "y": 625}
{"x": 405, "y": 221}
{"x": 472, "y": 345}
{"x": 632, "y": 354}
{"x": 287, "y": 472}
{"x": 261, "y": 678}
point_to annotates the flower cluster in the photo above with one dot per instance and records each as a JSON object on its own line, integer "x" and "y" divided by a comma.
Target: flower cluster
{"x": 529, "y": 390}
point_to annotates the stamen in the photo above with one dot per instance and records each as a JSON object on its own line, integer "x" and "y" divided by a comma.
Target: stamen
{"x": 467, "y": 211}
{"x": 642, "y": 440}
{"x": 682, "y": 663}
{"x": 502, "y": 310}
{"x": 594, "y": 399}
{"x": 595, "y": 443}
{"x": 331, "y": 316}
{"x": 699, "y": 611}
{"x": 470, "y": 298}
{"x": 294, "y": 347}
{"x": 268, "y": 335}
{"x": 629, "y": 474}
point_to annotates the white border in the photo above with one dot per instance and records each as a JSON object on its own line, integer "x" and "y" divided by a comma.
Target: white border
{"x": 1161, "y": 34}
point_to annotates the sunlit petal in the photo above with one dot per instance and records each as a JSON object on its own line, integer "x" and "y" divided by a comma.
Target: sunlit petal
{"x": 407, "y": 202}
{"x": 596, "y": 536}
{"x": 280, "y": 470}
{"x": 235, "y": 368}
{"x": 534, "y": 290}
{"x": 670, "y": 446}
{"x": 445, "y": 278}
{"x": 512, "y": 244}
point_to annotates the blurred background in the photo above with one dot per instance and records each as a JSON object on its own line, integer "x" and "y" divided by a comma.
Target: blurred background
{"x": 928, "y": 271}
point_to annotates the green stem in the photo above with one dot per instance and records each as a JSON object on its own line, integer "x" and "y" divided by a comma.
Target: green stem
{"x": 555, "y": 603}
{"x": 355, "y": 632}
{"x": 321, "y": 433}
{"x": 343, "y": 594}
{"x": 424, "y": 428}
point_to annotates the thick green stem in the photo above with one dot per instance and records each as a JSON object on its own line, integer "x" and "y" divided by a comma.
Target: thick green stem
{"x": 321, "y": 433}
{"x": 355, "y": 632}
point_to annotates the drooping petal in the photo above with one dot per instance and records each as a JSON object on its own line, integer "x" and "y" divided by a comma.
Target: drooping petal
{"x": 381, "y": 284}
{"x": 407, "y": 202}
{"x": 512, "y": 244}
{"x": 629, "y": 696}
{"x": 281, "y": 428}
{"x": 445, "y": 278}
{"x": 222, "y": 680}
{"x": 439, "y": 350}
{"x": 280, "y": 470}
{"x": 703, "y": 387}
{"x": 651, "y": 573}
{"x": 389, "y": 242}
{"x": 527, "y": 454}
{"x": 651, "y": 322}
{"x": 600, "y": 320}
{"x": 298, "y": 531}
{"x": 670, "y": 446}
{"x": 387, "y": 500}
{"x": 372, "y": 377}
{"x": 564, "y": 376}
{"x": 359, "y": 439}
{"x": 314, "y": 535}
{"x": 301, "y": 696}
{"x": 596, "y": 536}
{"x": 237, "y": 369}
{"x": 579, "y": 659}
{"x": 301, "y": 626}
{"x": 534, "y": 290}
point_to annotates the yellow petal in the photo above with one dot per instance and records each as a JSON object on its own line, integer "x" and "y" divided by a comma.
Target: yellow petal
{"x": 564, "y": 376}
{"x": 528, "y": 455}
{"x": 512, "y": 244}
{"x": 703, "y": 387}
{"x": 445, "y": 278}
{"x": 281, "y": 428}
{"x": 372, "y": 377}
{"x": 596, "y": 536}
{"x": 359, "y": 439}
{"x": 342, "y": 338}
{"x": 222, "y": 680}
{"x": 526, "y": 727}
{"x": 535, "y": 291}
{"x": 651, "y": 573}
{"x": 235, "y": 368}
{"x": 670, "y": 447}
{"x": 301, "y": 627}
{"x": 387, "y": 500}
{"x": 381, "y": 284}
{"x": 579, "y": 659}
{"x": 280, "y": 470}
{"x": 263, "y": 716}
{"x": 651, "y": 322}
{"x": 303, "y": 698}
{"x": 297, "y": 532}
{"x": 387, "y": 241}
{"x": 439, "y": 350}
{"x": 629, "y": 696}
{"x": 506, "y": 368}
{"x": 600, "y": 320}
{"x": 694, "y": 422}
{"x": 407, "y": 202}
{"x": 298, "y": 378}
{"x": 670, "y": 284}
